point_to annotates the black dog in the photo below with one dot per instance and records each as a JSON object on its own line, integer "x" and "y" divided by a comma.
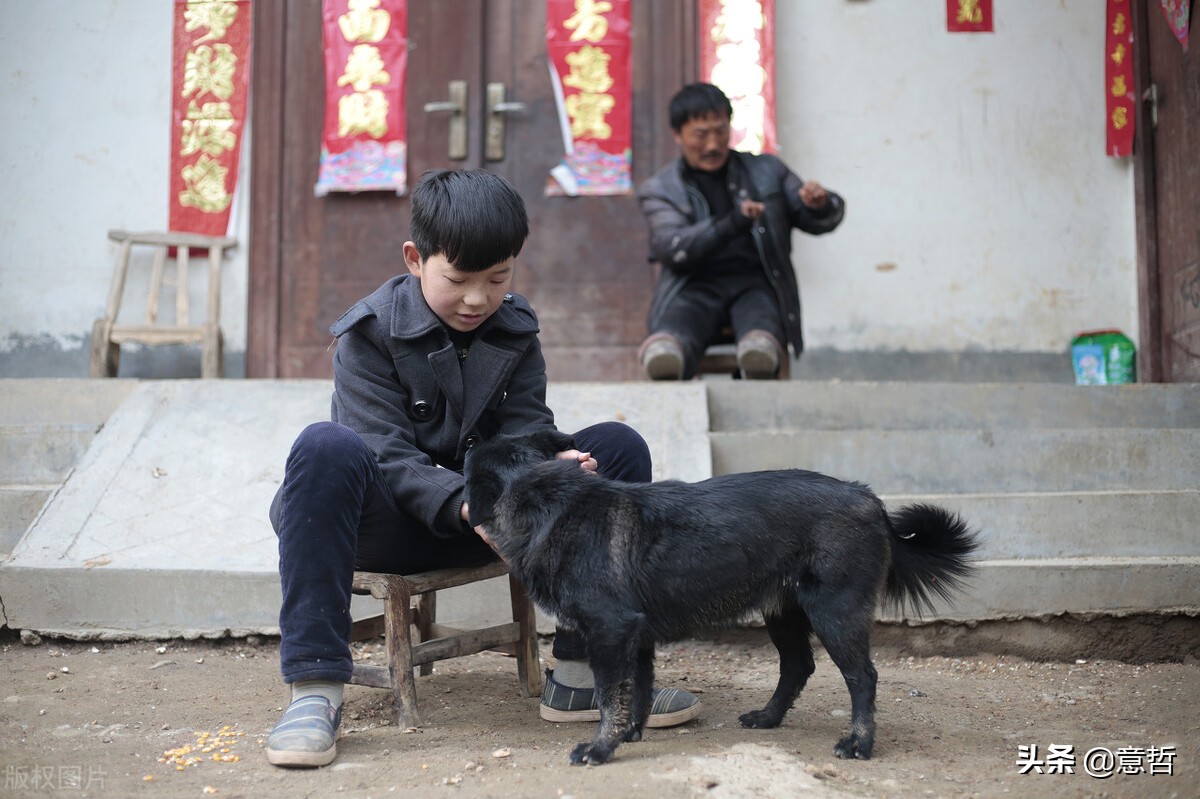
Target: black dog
{"x": 629, "y": 565}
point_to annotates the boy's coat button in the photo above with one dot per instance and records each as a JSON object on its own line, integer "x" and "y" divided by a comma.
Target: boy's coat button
{"x": 422, "y": 410}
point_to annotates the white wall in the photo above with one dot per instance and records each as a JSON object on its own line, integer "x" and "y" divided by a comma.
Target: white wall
{"x": 973, "y": 163}
{"x": 84, "y": 148}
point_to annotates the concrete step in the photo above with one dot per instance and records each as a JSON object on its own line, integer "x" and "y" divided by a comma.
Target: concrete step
{"x": 975, "y": 461}
{"x": 1069, "y": 524}
{"x": 1045, "y": 587}
{"x": 833, "y": 405}
{"x": 49, "y": 400}
{"x": 19, "y": 505}
{"x": 42, "y": 453}
{"x": 45, "y": 427}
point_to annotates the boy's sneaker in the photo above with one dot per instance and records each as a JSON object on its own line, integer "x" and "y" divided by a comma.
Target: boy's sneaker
{"x": 668, "y": 707}
{"x": 306, "y": 734}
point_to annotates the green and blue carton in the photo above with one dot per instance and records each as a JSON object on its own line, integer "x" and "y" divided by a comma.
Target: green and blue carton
{"x": 1103, "y": 357}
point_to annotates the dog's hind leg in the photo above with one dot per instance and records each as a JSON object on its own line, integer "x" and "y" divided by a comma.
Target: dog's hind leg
{"x": 847, "y": 639}
{"x": 790, "y": 630}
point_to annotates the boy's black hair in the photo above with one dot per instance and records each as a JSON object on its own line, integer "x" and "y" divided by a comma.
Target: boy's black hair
{"x": 697, "y": 100}
{"x": 473, "y": 217}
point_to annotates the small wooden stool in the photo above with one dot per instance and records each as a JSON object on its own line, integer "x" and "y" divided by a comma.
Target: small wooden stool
{"x": 108, "y": 335}
{"x": 435, "y": 641}
{"x": 721, "y": 359}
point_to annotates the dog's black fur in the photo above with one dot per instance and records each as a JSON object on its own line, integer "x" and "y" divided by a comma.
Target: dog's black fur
{"x": 630, "y": 565}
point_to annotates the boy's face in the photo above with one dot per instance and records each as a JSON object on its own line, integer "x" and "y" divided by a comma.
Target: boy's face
{"x": 704, "y": 141}
{"x": 462, "y": 300}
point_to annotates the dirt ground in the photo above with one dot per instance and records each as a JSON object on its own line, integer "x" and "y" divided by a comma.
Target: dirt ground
{"x": 190, "y": 718}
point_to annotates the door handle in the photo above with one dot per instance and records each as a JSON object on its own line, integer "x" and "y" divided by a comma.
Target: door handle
{"x": 497, "y": 108}
{"x": 456, "y": 106}
{"x": 1151, "y": 97}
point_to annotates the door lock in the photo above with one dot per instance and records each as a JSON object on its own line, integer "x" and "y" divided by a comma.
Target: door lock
{"x": 456, "y": 106}
{"x": 497, "y": 108}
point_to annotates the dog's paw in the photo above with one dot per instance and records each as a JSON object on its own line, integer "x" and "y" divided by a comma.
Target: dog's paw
{"x": 759, "y": 720}
{"x": 853, "y": 748}
{"x": 634, "y": 735}
{"x": 591, "y": 753}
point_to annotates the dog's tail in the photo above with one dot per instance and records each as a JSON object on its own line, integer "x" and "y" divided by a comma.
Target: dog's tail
{"x": 931, "y": 555}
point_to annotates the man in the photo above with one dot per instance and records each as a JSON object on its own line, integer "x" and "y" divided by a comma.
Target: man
{"x": 720, "y": 227}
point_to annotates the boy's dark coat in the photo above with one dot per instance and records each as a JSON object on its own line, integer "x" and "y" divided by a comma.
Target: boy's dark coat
{"x": 398, "y": 384}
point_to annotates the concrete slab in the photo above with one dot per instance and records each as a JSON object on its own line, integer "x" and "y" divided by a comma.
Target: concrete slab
{"x": 858, "y": 405}
{"x": 1035, "y": 588}
{"x": 981, "y": 460}
{"x": 161, "y": 529}
{"x": 1080, "y": 523}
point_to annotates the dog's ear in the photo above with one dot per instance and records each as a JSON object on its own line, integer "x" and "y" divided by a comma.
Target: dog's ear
{"x": 483, "y": 490}
{"x": 550, "y": 442}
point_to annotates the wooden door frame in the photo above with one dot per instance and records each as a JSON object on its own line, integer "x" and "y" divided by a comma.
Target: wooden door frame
{"x": 266, "y": 188}
{"x": 267, "y": 195}
{"x": 1150, "y": 313}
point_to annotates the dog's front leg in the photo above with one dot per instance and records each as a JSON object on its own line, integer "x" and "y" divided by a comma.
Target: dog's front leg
{"x": 643, "y": 691}
{"x": 613, "y": 657}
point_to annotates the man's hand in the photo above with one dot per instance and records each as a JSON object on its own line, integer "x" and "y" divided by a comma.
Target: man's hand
{"x": 813, "y": 194}
{"x": 584, "y": 459}
{"x": 751, "y": 209}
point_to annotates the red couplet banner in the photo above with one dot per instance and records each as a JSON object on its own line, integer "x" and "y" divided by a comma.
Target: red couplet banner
{"x": 210, "y": 80}
{"x": 969, "y": 16}
{"x": 364, "y": 145}
{"x": 1120, "y": 106}
{"x": 590, "y": 67}
{"x": 737, "y": 54}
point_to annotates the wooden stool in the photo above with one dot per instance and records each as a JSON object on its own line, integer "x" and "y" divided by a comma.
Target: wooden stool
{"x": 721, "y": 359}
{"x": 108, "y": 335}
{"x": 435, "y": 641}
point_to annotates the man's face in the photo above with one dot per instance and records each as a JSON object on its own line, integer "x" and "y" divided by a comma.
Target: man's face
{"x": 462, "y": 300}
{"x": 704, "y": 141}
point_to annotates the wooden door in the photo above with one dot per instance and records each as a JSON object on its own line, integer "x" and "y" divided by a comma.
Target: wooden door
{"x": 1168, "y": 198}
{"x": 584, "y": 267}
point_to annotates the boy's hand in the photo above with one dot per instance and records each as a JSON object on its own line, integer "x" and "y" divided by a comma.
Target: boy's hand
{"x": 584, "y": 459}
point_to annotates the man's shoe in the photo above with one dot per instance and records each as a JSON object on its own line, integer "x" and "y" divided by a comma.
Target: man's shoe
{"x": 758, "y": 355}
{"x": 668, "y": 707}
{"x": 662, "y": 358}
{"x": 306, "y": 734}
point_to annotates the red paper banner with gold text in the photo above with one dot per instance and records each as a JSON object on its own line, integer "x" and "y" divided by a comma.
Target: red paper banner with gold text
{"x": 969, "y": 16}
{"x": 210, "y": 80}
{"x": 1120, "y": 107}
{"x": 364, "y": 146}
{"x": 590, "y": 68}
{"x": 737, "y": 54}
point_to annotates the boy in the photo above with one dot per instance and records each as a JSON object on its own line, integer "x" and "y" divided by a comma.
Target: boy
{"x": 427, "y": 365}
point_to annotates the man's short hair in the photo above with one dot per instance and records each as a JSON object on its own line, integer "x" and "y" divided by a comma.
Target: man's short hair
{"x": 473, "y": 217}
{"x": 697, "y": 100}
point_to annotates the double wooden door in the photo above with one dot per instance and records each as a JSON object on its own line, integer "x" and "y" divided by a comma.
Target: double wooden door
{"x": 584, "y": 267}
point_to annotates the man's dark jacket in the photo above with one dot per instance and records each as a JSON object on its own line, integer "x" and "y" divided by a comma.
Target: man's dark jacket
{"x": 398, "y": 383}
{"x": 683, "y": 232}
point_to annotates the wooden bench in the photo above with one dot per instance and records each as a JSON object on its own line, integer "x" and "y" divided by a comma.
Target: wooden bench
{"x": 108, "y": 334}
{"x": 434, "y": 641}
